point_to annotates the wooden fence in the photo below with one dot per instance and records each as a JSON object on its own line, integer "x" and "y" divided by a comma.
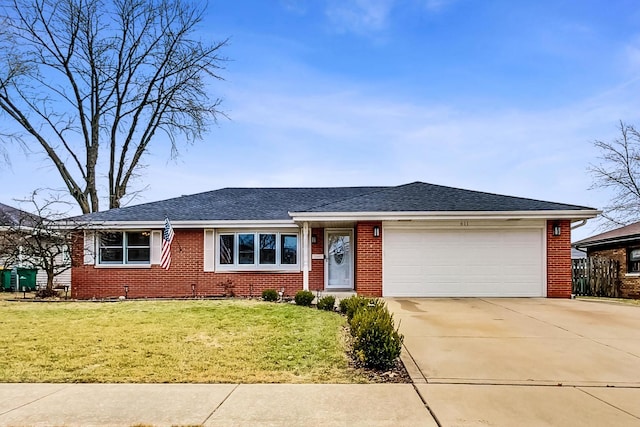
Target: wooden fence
{"x": 596, "y": 277}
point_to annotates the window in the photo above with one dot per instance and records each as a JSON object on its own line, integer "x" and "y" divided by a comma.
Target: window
{"x": 289, "y": 249}
{"x": 226, "y": 249}
{"x": 270, "y": 250}
{"x": 633, "y": 256}
{"x": 125, "y": 247}
{"x": 246, "y": 250}
{"x": 267, "y": 249}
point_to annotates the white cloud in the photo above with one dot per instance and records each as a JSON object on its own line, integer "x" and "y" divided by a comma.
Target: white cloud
{"x": 359, "y": 16}
{"x": 437, "y": 5}
{"x": 631, "y": 56}
{"x": 359, "y": 135}
{"x": 295, "y": 6}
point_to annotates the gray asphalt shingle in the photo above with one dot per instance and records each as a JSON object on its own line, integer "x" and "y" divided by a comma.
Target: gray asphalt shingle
{"x": 231, "y": 204}
{"x": 423, "y": 197}
{"x": 13, "y": 217}
{"x": 275, "y": 203}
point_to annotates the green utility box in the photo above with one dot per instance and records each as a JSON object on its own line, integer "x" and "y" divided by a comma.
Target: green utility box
{"x": 5, "y": 279}
{"x": 27, "y": 278}
{"x": 18, "y": 278}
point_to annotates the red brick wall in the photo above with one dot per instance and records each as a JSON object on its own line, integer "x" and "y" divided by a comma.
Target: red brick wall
{"x": 187, "y": 268}
{"x": 316, "y": 275}
{"x": 368, "y": 257}
{"x": 559, "y": 260}
{"x": 629, "y": 285}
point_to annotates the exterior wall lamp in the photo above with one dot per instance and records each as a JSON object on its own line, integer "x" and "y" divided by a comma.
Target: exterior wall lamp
{"x": 557, "y": 230}
{"x": 314, "y": 239}
{"x": 376, "y": 231}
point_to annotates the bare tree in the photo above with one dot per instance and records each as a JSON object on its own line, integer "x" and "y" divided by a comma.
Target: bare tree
{"x": 86, "y": 79}
{"x": 618, "y": 170}
{"x": 37, "y": 240}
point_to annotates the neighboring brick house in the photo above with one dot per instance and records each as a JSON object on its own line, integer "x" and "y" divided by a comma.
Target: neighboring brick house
{"x": 13, "y": 220}
{"x": 622, "y": 245}
{"x": 416, "y": 239}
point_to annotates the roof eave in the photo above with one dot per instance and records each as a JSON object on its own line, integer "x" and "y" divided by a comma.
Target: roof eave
{"x": 604, "y": 242}
{"x": 430, "y": 215}
{"x": 133, "y": 225}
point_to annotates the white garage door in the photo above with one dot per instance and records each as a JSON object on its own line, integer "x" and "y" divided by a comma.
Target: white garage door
{"x": 463, "y": 263}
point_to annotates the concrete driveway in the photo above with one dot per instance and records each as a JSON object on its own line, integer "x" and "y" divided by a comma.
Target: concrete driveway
{"x": 480, "y": 361}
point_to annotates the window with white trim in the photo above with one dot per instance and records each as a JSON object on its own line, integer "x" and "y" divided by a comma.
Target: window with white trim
{"x": 124, "y": 247}
{"x": 633, "y": 255}
{"x": 257, "y": 250}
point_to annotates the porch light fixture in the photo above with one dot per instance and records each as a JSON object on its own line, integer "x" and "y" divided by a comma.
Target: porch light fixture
{"x": 557, "y": 230}
{"x": 314, "y": 239}
{"x": 376, "y": 231}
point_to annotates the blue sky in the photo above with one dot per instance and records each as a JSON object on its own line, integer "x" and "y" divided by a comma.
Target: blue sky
{"x": 498, "y": 96}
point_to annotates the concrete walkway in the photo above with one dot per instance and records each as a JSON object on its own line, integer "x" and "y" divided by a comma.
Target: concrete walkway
{"x": 212, "y": 405}
{"x": 525, "y": 362}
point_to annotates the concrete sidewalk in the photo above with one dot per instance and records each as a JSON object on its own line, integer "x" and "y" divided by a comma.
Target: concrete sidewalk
{"x": 212, "y": 405}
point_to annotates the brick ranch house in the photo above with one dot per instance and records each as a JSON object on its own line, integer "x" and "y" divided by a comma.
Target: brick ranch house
{"x": 418, "y": 239}
{"x": 622, "y": 245}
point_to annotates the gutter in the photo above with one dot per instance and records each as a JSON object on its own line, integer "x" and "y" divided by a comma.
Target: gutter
{"x": 135, "y": 225}
{"x": 607, "y": 241}
{"x": 582, "y": 214}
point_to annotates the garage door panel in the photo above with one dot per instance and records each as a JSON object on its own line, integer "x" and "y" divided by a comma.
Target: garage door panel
{"x": 480, "y": 262}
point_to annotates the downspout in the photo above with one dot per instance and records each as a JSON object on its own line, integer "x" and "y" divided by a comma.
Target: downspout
{"x": 573, "y": 227}
{"x": 583, "y": 222}
{"x": 305, "y": 257}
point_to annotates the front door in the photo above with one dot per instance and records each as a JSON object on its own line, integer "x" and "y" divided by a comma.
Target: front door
{"x": 339, "y": 259}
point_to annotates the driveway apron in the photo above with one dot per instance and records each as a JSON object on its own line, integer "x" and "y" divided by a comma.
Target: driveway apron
{"x": 480, "y": 361}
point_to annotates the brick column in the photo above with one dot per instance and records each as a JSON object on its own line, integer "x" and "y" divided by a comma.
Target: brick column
{"x": 559, "y": 260}
{"x": 368, "y": 257}
{"x": 316, "y": 275}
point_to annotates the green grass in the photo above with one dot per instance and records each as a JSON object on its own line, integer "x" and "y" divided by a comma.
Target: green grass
{"x": 172, "y": 342}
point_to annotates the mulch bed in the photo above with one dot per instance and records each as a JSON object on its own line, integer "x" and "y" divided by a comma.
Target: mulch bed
{"x": 397, "y": 374}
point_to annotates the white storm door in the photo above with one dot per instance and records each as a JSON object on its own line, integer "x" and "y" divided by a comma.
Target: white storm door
{"x": 339, "y": 259}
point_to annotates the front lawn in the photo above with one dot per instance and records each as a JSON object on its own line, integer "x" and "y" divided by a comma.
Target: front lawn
{"x": 172, "y": 341}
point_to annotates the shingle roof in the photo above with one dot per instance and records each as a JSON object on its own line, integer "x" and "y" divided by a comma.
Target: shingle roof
{"x": 12, "y": 217}
{"x": 232, "y": 204}
{"x": 276, "y": 203}
{"x": 422, "y": 197}
{"x": 626, "y": 233}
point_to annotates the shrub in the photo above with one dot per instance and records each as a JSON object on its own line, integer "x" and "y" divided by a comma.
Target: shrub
{"x": 47, "y": 293}
{"x": 377, "y": 344}
{"x": 342, "y": 305}
{"x": 304, "y": 298}
{"x": 270, "y": 295}
{"x": 327, "y": 303}
{"x": 349, "y": 306}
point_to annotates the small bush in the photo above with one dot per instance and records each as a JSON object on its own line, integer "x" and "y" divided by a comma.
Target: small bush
{"x": 377, "y": 344}
{"x": 270, "y": 295}
{"x": 349, "y": 306}
{"x": 327, "y": 303}
{"x": 304, "y": 298}
{"x": 342, "y": 305}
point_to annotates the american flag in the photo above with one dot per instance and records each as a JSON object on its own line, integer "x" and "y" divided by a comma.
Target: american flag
{"x": 167, "y": 238}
